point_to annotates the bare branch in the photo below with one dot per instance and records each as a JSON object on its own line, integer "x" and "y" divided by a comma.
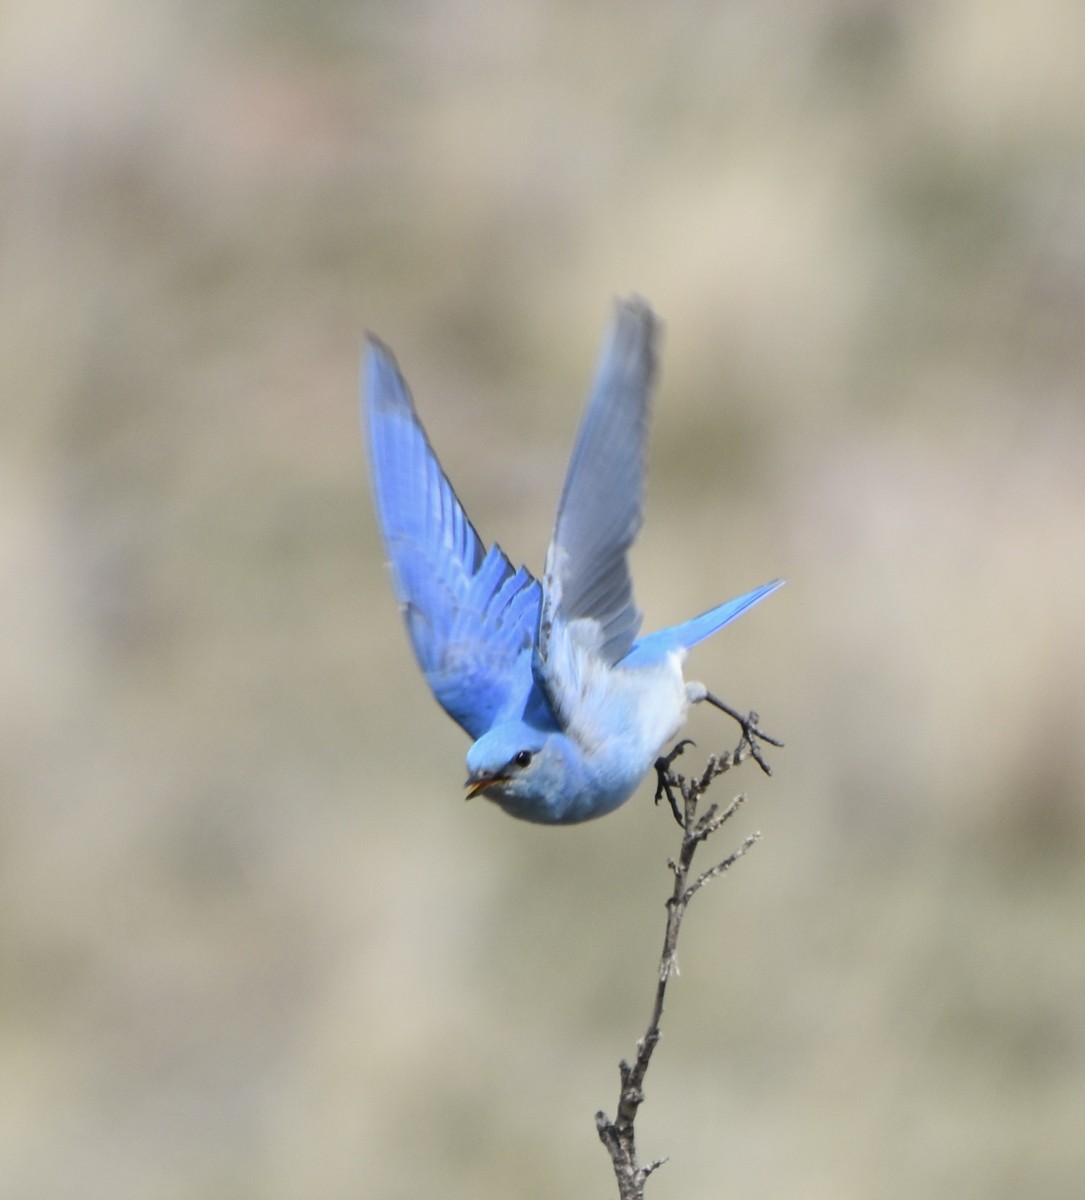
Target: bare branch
{"x": 684, "y": 796}
{"x": 719, "y": 868}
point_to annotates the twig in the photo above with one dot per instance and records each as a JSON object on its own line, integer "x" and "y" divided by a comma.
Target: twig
{"x": 619, "y": 1135}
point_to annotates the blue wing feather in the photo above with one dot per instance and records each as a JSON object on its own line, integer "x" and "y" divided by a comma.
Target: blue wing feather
{"x": 602, "y": 503}
{"x": 470, "y": 614}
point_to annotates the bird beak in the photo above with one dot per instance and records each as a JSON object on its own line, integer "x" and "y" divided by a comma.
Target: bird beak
{"x": 480, "y": 783}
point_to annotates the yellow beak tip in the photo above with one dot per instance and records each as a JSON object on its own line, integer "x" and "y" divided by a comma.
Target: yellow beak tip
{"x": 474, "y": 786}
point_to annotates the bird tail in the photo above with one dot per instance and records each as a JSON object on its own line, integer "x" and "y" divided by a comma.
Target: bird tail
{"x": 689, "y": 633}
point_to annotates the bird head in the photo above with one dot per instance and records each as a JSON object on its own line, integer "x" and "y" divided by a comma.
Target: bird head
{"x": 519, "y": 767}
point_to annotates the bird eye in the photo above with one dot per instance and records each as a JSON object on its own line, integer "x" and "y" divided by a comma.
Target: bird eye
{"x": 523, "y": 759}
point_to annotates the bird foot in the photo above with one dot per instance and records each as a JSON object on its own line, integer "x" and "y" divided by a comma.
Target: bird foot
{"x": 752, "y": 736}
{"x": 666, "y": 782}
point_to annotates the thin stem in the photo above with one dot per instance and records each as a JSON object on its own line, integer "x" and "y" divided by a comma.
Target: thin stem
{"x": 684, "y": 795}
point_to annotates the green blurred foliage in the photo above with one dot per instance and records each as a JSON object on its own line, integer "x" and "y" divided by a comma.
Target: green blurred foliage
{"x": 254, "y": 944}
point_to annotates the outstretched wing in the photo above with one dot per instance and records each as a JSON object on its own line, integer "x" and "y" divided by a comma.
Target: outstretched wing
{"x": 589, "y": 618}
{"x": 471, "y": 616}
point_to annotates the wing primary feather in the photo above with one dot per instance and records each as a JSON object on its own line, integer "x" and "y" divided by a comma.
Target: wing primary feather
{"x": 470, "y": 614}
{"x": 602, "y": 502}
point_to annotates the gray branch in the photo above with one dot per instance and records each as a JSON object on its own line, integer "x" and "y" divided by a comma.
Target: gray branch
{"x": 619, "y": 1135}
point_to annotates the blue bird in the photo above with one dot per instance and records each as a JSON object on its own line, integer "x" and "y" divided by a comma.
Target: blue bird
{"x": 568, "y": 708}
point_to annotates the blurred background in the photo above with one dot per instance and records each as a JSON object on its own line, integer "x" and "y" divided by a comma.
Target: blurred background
{"x": 254, "y": 943}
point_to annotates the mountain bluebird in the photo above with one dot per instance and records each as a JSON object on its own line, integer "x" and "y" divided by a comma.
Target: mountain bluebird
{"x": 567, "y": 707}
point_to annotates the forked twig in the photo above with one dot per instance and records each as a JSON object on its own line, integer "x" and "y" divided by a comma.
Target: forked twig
{"x": 684, "y": 796}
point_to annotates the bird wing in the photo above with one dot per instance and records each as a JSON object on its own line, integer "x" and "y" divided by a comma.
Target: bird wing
{"x": 471, "y": 616}
{"x": 589, "y": 619}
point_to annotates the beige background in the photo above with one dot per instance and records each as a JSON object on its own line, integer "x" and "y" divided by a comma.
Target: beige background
{"x": 254, "y": 944}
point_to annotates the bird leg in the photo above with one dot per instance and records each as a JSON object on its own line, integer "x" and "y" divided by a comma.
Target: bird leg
{"x": 751, "y": 735}
{"x": 665, "y": 781}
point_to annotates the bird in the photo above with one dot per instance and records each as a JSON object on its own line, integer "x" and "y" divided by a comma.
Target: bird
{"x": 568, "y": 708}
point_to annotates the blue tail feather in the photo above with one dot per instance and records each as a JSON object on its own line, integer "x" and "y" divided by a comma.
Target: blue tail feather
{"x": 681, "y": 637}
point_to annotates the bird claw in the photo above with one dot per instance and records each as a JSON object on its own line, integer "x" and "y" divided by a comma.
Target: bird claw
{"x": 665, "y": 781}
{"x": 752, "y": 736}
